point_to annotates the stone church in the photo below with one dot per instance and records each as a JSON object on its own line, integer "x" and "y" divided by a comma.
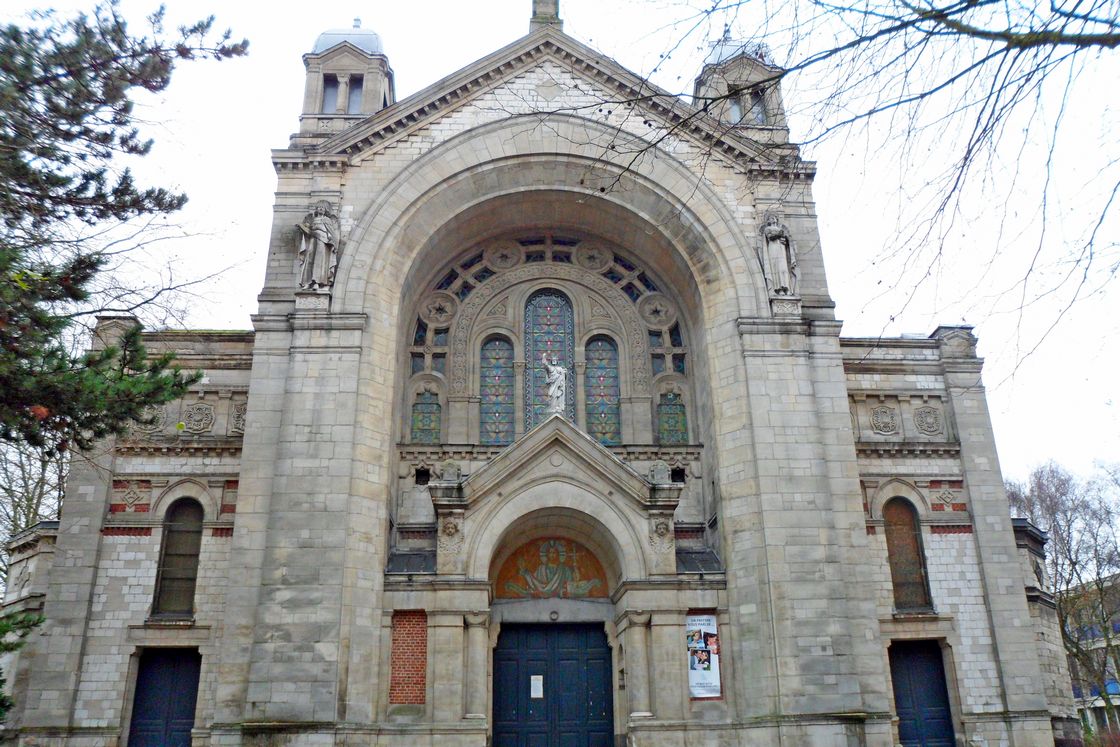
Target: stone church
{"x": 545, "y": 434}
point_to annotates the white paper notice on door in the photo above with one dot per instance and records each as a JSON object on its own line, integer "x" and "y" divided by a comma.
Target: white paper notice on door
{"x": 536, "y": 686}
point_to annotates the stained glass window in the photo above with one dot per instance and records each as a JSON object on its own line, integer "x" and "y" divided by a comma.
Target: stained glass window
{"x": 548, "y": 331}
{"x": 496, "y": 392}
{"x": 602, "y": 391}
{"x": 672, "y": 423}
{"x": 426, "y": 414}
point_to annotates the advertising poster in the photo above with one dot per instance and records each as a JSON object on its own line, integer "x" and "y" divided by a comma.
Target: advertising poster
{"x": 702, "y": 639}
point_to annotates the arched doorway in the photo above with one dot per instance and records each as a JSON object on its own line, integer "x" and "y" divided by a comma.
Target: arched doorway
{"x": 552, "y": 679}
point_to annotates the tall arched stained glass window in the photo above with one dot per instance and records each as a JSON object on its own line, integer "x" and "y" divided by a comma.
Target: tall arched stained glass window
{"x": 672, "y": 422}
{"x": 548, "y": 332}
{"x": 496, "y": 392}
{"x": 602, "y": 391}
{"x": 426, "y": 417}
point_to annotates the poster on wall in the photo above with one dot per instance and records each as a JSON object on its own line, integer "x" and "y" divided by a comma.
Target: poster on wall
{"x": 702, "y": 640}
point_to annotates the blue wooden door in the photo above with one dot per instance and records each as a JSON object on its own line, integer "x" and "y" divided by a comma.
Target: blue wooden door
{"x": 166, "y": 691}
{"x": 552, "y": 687}
{"x": 920, "y": 695}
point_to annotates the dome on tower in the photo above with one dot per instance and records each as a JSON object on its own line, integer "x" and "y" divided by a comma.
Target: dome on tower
{"x": 364, "y": 39}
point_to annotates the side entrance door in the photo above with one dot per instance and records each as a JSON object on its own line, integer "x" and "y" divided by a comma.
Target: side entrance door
{"x": 552, "y": 687}
{"x": 920, "y": 695}
{"x": 166, "y": 691}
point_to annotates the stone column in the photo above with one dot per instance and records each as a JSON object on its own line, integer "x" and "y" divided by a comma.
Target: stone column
{"x": 637, "y": 663}
{"x": 478, "y": 649}
{"x": 343, "y": 105}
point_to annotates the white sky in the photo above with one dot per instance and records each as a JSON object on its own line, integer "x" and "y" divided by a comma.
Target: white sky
{"x": 216, "y": 124}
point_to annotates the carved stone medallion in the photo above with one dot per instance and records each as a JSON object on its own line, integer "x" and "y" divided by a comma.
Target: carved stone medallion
{"x": 439, "y": 308}
{"x": 198, "y": 418}
{"x": 884, "y": 420}
{"x": 157, "y": 418}
{"x": 594, "y": 257}
{"x": 503, "y": 255}
{"x": 928, "y": 420}
{"x": 450, "y": 538}
{"x": 656, "y": 310}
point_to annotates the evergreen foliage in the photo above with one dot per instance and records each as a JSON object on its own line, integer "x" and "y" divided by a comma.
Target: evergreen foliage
{"x": 13, "y": 629}
{"x": 66, "y": 116}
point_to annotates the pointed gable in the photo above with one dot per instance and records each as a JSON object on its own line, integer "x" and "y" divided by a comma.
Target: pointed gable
{"x": 596, "y": 80}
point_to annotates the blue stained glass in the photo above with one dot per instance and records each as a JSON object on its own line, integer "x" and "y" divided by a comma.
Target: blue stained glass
{"x": 672, "y": 422}
{"x": 426, "y": 415}
{"x": 472, "y": 261}
{"x": 624, "y": 263}
{"x": 421, "y": 332}
{"x": 464, "y": 290}
{"x": 632, "y": 290}
{"x": 496, "y": 384}
{"x": 602, "y": 391}
{"x": 549, "y": 329}
{"x": 484, "y": 274}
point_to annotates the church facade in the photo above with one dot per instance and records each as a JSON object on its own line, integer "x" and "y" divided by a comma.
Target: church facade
{"x": 545, "y": 434}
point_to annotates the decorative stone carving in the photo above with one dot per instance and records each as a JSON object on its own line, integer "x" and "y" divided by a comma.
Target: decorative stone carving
{"x": 661, "y": 538}
{"x": 318, "y": 247}
{"x": 450, "y": 471}
{"x": 928, "y": 420}
{"x": 156, "y": 418}
{"x": 785, "y": 307}
{"x": 132, "y": 496}
{"x": 946, "y": 496}
{"x": 502, "y": 255}
{"x": 659, "y": 473}
{"x": 884, "y": 421}
{"x": 315, "y": 300}
{"x": 451, "y": 534}
{"x": 198, "y": 418}
{"x": 779, "y": 257}
{"x": 594, "y": 257}
{"x": 656, "y": 310}
{"x": 557, "y": 385}
{"x": 501, "y": 308}
{"x": 237, "y": 418}
{"x": 439, "y": 308}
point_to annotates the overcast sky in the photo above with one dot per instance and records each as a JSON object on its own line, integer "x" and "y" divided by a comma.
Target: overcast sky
{"x": 216, "y": 124}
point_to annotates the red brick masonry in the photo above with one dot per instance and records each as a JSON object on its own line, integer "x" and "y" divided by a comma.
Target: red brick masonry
{"x": 408, "y": 661}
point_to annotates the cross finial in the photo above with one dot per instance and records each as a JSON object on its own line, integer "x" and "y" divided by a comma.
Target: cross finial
{"x": 357, "y": 23}
{"x": 545, "y": 13}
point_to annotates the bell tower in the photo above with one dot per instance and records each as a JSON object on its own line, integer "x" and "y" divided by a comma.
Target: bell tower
{"x": 741, "y": 86}
{"x": 348, "y": 79}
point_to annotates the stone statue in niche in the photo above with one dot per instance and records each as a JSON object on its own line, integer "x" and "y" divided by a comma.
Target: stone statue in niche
{"x": 779, "y": 257}
{"x": 318, "y": 247}
{"x": 557, "y": 384}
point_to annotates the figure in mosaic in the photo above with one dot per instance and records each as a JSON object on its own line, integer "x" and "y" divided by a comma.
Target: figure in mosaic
{"x": 318, "y": 248}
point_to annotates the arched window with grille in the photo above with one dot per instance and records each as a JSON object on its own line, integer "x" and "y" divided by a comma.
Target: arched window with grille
{"x": 904, "y": 553}
{"x": 601, "y": 391}
{"x": 178, "y": 561}
{"x": 496, "y": 385}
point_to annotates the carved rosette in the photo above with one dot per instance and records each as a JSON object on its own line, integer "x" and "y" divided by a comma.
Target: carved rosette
{"x": 656, "y": 310}
{"x": 884, "y": 421}
{"x": 928, "y": 420}
{"x": 785, "y": 307}
{"x": 503, "y": 255}
{"x": 439, "y": 308}
{"x": 594, "y": 257}
{"x": 198, "y": 418}
{"x": 157, "y": 420}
